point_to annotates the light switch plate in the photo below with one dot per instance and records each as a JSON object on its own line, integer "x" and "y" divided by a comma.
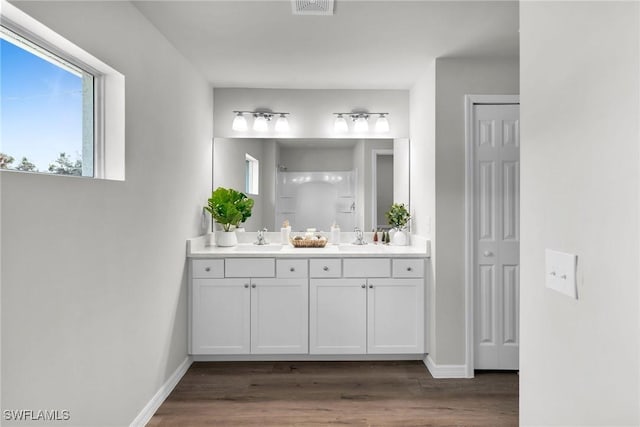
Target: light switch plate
{"x": 560, "y": 272}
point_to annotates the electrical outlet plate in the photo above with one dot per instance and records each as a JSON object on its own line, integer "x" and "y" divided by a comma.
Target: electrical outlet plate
{"x": 560, "y": 272}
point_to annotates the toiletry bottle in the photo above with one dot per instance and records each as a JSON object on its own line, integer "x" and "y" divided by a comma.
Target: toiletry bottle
{"x": 375, "y": 237}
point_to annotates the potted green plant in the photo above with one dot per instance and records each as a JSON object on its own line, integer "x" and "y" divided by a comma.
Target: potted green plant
{"x": 398, "y": 217}
{"x": 229, "y": 208}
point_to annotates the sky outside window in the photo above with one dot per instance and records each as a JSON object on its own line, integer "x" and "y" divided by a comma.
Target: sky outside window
{"x": 41, "y": 106}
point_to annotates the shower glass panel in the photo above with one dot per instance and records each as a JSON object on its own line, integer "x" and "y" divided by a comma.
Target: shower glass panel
{"x": 316, "y": 199}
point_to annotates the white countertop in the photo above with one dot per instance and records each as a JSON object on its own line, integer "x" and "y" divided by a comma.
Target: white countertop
{"x": 202, "y": 247}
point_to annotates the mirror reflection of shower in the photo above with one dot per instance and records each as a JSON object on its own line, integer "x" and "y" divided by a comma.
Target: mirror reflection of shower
{"x": 317, "y": 199}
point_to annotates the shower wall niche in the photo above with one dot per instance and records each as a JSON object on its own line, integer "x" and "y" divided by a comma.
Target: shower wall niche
{"x": 317, "y": 199}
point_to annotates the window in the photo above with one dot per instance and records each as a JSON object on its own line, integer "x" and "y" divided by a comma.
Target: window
{"x": 252, "y": 175}
{"x": 61, "y": 108}
{"x": 47, "y": 110}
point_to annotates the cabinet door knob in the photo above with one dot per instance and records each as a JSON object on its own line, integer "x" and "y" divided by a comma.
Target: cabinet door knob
{"x": 246, "y": 285}
{"x": 488, "y": 253}
{"x": 292, "y": 269}
{"x": 325, "y": 268}
{"x": 370, "y": 286}
{"x": 207, "y": 269}
{"x": 409, "y": 269}
{"x": 363, "y": 286}
{"x": 253, "y": 285}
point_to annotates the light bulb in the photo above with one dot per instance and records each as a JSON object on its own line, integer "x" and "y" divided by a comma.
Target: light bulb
{"x": 282, "y": 124}
{"x": 260, "y": 124}
{"x": 361, "y": 124}
{"x": 340, "y": 125}
{"x": 239, "y": 123}
{"x": 382, "y": 124}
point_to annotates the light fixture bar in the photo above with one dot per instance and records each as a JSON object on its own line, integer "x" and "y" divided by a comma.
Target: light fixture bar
{"x": 361, "y": 122}
{"x": 363, "y": 113}
{"x": 266, "y": 113}
{"x": 260, "y": 121}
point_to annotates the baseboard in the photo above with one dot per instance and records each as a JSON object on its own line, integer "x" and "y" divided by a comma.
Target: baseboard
{"x": 304, "y": 357}
{"x": 445, "y": 371}
{"x": 150, "y": 408}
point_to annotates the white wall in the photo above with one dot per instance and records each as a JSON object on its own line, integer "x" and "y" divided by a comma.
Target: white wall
{"x": 579, "y": 360}
{"x": 454, "y": 79}
{"x": 422, "y": 147}
{"x": 93, "y": 272}
{"x": 311, "y": 110}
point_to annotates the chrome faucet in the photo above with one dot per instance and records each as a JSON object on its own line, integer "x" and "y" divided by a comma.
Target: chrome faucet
{"x": 261, "y": 239}
{"x": 359, "y": 237}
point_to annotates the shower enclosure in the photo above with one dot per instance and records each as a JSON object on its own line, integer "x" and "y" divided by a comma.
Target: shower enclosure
{"x": 316, "y": 199}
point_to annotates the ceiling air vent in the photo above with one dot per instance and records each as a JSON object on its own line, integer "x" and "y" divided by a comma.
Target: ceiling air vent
{"x": 312, "y": 7}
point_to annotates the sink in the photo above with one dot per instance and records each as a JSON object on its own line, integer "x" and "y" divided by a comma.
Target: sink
{"x": 250, "y": 247}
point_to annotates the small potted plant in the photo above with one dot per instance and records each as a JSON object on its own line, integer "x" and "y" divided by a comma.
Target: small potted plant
{"x": 398, "y": 216}
{"x": 229, "y": 208}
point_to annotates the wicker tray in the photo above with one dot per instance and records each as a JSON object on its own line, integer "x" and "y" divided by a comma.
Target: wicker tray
{"x": 308, "y": 243}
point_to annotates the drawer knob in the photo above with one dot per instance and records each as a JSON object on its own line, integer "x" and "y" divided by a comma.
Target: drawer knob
{"x": 292, "y": 269}
{"x": 409, "y": 269}
{"x": 207, "y": 269}
{"x": 254, "y": 285}
{"x": 363, "y": 286}
{"x": 246, "y": 285}
{"x": 325, "y": 268}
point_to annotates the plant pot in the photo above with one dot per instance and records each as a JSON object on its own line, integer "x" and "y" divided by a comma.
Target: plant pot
{"x": 399, "y": 238}
{"x": 226, "y": 238}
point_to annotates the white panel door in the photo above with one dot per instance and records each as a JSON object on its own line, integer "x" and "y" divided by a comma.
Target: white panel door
{"x": 395, "y": 316}
{"x": 338, "y": 316}
{"x": 497, "y": 236}
{"x": 221, "y": 316}
{"x": 279, "y": 316}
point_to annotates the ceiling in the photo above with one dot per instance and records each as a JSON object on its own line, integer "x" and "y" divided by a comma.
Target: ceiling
{"x": 366, "y": 44}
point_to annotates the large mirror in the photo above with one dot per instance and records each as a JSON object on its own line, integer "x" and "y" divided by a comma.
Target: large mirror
{"x": 314, "y": 183}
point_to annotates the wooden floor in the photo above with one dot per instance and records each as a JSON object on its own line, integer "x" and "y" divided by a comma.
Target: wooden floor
{"x": 329, "y": 393}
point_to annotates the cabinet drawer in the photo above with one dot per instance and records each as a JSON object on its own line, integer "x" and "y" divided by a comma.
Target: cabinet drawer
{"x": 325, "y": 268}
{"x": 367, "y": 267}
{"x": 408, "y": 268}
{"x": 250, "y": 267}
{"x": 291, "y": 268}
{"x": 207, "y": 268}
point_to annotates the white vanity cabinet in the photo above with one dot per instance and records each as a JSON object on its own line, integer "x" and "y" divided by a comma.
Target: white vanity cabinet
{"x": 369, "y": 310}
{"x": 256, "y": 314}
{"x": 338, "y": 316}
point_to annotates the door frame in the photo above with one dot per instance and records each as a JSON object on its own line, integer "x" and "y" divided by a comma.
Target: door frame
{"x": 469, "y": 257}
{"x": 374, "y": 181}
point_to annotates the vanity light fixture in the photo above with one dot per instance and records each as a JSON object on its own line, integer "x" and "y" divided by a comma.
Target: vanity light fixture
{"x": 239, "y": 123}
{"x": 261, "y": 121}
{"x": 282, "y": 124}
{"x": 382, "y": 124}
{"x": 360, "y": 122}
{"x": 340, "y": 125}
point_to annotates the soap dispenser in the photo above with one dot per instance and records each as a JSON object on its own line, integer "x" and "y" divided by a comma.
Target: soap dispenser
{"x": 335, "y": 234}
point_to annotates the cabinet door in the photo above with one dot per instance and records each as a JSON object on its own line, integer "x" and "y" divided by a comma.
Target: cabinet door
{"x": 221, "y": 316}
{"x": 395, "y": 316}
{"x": 279, "y": 316}
{"x": 337, "y": 316}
